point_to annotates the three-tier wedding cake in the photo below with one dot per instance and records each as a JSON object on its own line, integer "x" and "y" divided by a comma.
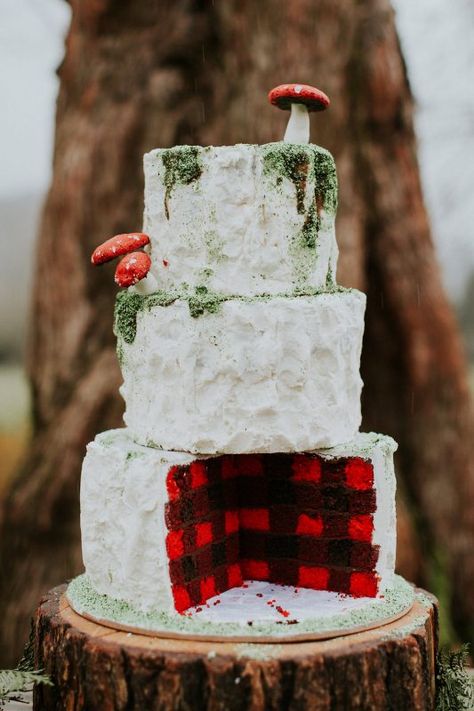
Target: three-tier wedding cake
{"x": 241, "y": 459}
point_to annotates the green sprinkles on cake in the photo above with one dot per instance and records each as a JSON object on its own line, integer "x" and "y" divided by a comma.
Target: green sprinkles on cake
{"x": 84, "y": 599}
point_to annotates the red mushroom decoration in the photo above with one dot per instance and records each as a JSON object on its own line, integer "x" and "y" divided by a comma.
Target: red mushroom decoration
{"x": 300, "y": 99}
{"x": 118, "y": 245}
{"x": 134, "y": 267}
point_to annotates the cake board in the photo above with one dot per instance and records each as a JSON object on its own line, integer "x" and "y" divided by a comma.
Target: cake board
{"x": 257, "y": 612}
{"x": 96, "y": 667}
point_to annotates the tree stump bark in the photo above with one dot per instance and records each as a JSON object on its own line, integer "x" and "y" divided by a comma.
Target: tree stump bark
{"x": 94, "y": 667}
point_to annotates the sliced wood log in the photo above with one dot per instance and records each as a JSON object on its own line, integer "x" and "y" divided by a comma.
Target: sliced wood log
{"x": 94, "y": 667}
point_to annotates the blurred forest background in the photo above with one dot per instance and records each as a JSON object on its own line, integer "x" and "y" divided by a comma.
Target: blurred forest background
{"x": 436, "y": 40}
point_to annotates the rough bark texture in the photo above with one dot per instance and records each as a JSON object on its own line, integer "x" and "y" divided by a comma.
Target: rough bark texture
{"x": 141, "y": 74}
{"x": 94, "y": 668}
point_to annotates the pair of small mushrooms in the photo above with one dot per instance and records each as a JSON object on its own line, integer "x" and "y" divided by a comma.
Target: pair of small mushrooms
{"x": 134, "y": 267}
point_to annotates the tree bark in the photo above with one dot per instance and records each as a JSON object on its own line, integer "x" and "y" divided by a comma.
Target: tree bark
{"x": 140, "y": 75}
{"x": 94, "y": 668}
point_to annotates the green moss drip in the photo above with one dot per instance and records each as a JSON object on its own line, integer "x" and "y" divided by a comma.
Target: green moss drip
{"x": 182, "y": 167}
{"x": 125, "y": 322}
{"x": 325, "y": 178}
{"x": 288, "y": 161}
{"x": 304, "y": 165}
{"x": 120, "y": 354}
{"x": 330, "y": 281}
{"x": 310, "y": 229}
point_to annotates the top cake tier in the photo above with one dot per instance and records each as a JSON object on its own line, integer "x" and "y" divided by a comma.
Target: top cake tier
{"x": 244, "y": 219}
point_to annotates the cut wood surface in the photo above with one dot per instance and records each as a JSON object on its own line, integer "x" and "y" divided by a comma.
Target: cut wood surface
{"x": 95, "y": 668}
{"x": 138, "y": 75}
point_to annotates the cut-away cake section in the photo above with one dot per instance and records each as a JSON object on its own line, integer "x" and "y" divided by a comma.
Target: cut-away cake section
{"x": 169, "y": 530}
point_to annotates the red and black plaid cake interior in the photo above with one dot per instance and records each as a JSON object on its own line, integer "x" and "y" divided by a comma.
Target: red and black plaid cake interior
{"x": 294, "y": 519}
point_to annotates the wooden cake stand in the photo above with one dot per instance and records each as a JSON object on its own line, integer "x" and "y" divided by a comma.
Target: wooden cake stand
{"x": 95, "y": 668}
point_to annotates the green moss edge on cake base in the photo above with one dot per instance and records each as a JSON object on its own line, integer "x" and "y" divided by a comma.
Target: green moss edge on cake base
{"x": 85, "y": 600}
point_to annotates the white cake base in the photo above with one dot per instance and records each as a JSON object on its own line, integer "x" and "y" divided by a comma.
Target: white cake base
{"x": 243, "y": 616}
{"x": 123, "y": 499}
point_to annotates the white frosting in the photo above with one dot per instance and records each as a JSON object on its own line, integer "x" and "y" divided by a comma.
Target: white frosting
{"x": 122, "y": 519}
{"x": 278, "y": 375}
{"x": 123, "y": 495}
{"x": 236, "y": 227}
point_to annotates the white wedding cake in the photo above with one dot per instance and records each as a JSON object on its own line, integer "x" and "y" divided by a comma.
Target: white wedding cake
{"x": 241, "y": 458}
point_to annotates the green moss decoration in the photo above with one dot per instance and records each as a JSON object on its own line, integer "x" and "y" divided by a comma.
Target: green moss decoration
{"x": 120, "y": 353}
{"x": 200, "y": 301}
{"x": 289, "y": 161}
{"x": 182, "y": 167}
{"x": 303, "y": 165}
{"x": 325, "y": 177}
{"x": 127, "y": 306}
{"x": 204, "y": 300}
{"x": 310, "y": 229}
{"x": 330, "y": 281}
{"x": 454, "y": 687}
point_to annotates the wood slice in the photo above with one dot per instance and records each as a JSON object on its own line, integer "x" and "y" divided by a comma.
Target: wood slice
{"x": 96, "y": 668}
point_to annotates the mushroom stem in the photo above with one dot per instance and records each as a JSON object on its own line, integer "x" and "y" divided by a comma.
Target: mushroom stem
{"x": 148, "y": 285}
{"x": 297, "y": 130}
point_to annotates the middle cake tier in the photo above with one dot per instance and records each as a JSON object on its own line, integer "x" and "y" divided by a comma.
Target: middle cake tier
{"x": 207, "y": 374}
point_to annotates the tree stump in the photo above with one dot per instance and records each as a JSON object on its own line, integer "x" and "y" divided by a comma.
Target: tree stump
{"x": 96, "y": 668}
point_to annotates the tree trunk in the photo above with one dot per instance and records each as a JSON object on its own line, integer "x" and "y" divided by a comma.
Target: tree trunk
{"x": 147, "y": 74}
{"x": 96, "y": 669}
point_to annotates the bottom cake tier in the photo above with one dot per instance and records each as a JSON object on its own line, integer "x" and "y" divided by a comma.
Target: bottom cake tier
{"x": 167, "y": 530}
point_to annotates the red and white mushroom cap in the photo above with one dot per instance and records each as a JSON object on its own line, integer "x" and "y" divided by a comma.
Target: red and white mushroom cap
{"x": 132, "y": 269}
{"x": 285, "y": 95}
{"x": 119, "y": 245}
{"x": 300, "y": 99}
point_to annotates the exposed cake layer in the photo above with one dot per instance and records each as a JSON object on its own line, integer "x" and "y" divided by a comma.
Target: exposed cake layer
{"x": 243, "y": 219}
{"x": 166, "y": 531}
{"x": 276, "y": 374}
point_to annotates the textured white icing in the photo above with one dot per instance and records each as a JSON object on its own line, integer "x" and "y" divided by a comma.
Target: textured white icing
{"x": 122, "y": 519}
{"x": 235, "y": 227}
{"x": 264, "y": 376}
{"x": 123, "y": 495}
{"x": 379, "y": 449}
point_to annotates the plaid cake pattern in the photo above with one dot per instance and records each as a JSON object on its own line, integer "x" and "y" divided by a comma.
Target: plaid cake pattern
{"x": 294, "y": 519}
